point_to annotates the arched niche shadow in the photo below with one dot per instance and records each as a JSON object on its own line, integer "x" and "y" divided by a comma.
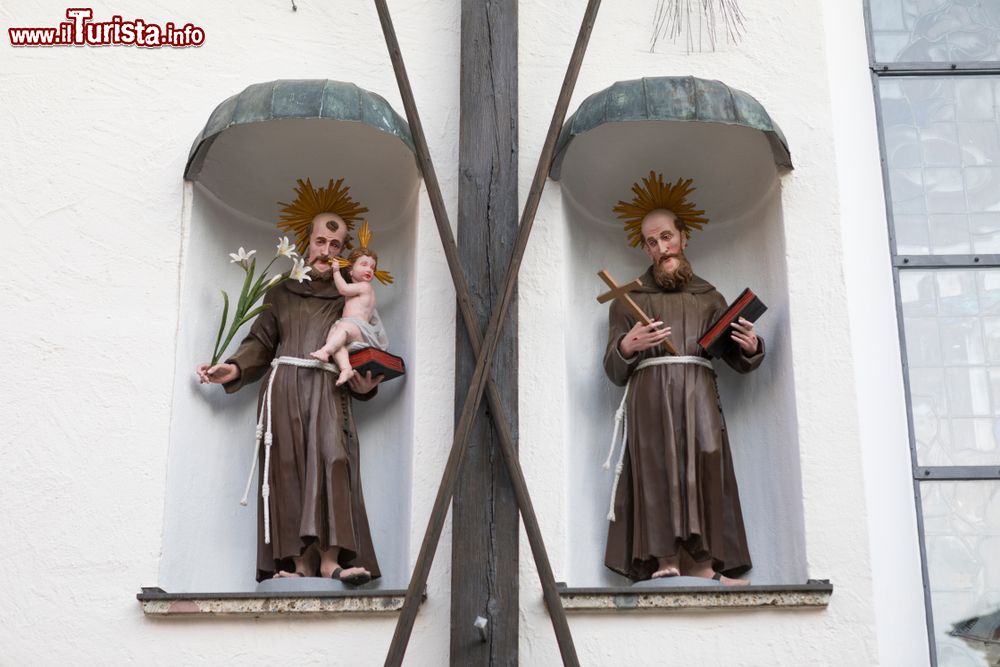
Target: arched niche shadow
{"x": 247, "y": 160}
{"x": 733, "y": 167}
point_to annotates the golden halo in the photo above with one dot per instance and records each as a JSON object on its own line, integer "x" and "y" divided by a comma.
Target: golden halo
{"x": 654, "y": 194}
{"x": 309, "y": 202}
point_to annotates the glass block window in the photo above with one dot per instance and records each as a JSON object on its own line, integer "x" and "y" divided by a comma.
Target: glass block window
{"x": 935, "y": 66}
{"x": 942, "y": 146}
{"x": 951, "y": 320}
{"x": 935, "y": 31}
{"x": 962, "y": 536}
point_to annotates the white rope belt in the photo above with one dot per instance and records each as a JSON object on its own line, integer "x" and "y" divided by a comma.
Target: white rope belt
{"x": 265, "y": 408}
{"x": 621, "y": 419}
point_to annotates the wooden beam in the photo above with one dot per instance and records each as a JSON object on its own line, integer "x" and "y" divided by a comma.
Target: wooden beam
{"x": 484, "y": 520}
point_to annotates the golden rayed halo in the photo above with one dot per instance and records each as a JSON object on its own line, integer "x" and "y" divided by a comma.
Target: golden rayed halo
{"x": 309, "y": 202}
{"x": 364, "y": 238}
{"x": 655, "y": 194}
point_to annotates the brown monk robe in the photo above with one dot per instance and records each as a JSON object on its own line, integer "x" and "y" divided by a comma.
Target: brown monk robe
{"x": 677, "y": 485}
{"x": 315, "y": 474}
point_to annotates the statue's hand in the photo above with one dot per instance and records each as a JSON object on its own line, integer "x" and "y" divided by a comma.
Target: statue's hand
{"x": 217, "y": 374}
{"x": 743, "y": 334}
{"x": 362, "y": 384}
{"x": 642, "y": 337}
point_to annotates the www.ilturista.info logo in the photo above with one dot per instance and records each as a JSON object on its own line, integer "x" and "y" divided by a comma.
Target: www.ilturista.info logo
{"x": 80, "y": 30}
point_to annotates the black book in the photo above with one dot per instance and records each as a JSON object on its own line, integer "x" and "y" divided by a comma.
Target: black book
{"x": 378, "y": 362}
{"x": 717, "y": 341}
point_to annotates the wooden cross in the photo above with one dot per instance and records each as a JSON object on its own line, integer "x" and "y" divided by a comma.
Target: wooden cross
{"x": 621, "y": 292}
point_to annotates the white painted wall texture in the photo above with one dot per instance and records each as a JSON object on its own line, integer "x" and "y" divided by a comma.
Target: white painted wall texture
{"x": 92, "y": 208}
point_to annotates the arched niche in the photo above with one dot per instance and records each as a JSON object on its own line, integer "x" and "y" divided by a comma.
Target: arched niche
{"x": 247, "y": 159}
{"x": 724, "y": 140}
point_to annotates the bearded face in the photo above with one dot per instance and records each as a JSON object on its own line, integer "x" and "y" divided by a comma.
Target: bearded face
{"x": 664, "y": 241}
{"x": 672, "y": 271}
{"x": 329, "y": 233}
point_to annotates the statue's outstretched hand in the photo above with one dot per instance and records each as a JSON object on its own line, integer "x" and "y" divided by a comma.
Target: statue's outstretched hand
{"x": 743, "y": 334}
{"x": 217, "y": 374}
{"x": 642, "y": 337}
{"x": 362, "y": 384}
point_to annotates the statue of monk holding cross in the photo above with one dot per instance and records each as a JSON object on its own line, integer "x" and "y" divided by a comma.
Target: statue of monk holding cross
{"x": 675, "y": 506}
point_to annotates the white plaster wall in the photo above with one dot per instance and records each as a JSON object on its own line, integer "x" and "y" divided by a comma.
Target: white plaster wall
{"x": 899, "y": 601}
{"x": 95, "y": 144}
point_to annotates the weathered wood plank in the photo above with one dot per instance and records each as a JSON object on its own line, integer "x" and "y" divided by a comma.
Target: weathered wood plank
{"x": 484, "y": 513}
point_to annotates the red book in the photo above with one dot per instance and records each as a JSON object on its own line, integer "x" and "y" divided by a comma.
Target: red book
{"x": 378, "y": 362}
{"x": 717, "y": 340}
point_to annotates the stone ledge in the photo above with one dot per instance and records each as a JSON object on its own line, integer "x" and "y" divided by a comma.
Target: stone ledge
{"x": 801, "y": 596}
{"x": 158, "y": 603}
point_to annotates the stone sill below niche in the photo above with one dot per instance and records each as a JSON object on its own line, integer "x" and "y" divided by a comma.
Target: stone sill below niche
{"x": 158, "y": 603}
{"x": 812, "y": 595}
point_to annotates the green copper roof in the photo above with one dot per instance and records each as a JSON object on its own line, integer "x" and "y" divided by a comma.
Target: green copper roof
{"x": 671, "y": 98}
{"x": 306, "y": 98}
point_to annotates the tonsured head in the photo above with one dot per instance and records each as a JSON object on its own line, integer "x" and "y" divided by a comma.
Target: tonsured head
{"x": 310, "y": 203}
{"x": 326, "y": 241}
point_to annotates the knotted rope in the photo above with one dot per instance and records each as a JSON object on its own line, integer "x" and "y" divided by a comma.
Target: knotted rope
{"x": 621, "y": 418}
{"x": 265, "y": 409}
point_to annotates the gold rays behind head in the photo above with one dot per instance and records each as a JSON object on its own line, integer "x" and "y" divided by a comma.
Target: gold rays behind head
{"x": 309, "y": 202}
{"x": 655, "y": 194}
{"x": 364, "y": 238}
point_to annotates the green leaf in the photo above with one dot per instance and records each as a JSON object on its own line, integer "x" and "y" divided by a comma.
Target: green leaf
{"x": 216, "y": 353}
{"x": 256, "y": 292}
{"x": 253, "y": 313}
{"x": 263, "y": 273}
{"x": 237, "y": 323}
{"x": 242, "y": 305}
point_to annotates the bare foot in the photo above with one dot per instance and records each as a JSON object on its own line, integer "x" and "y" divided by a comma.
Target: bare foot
{"x": 354, "y": 576}
{"x": 344, "y": 376}
{"x": 305, "y": 565}
{"x": 666, "y": 572}
{"x": 705, "y": 570}
{"x": 284, "y": 574}
{"x": 666, "y": 566}
{"x": 329, "y": 568}
{"x": 344, "y": 572}
{"x": 350, "y": 575}
{"x": 709, "y": 573}
{"x": 321, "y": 355}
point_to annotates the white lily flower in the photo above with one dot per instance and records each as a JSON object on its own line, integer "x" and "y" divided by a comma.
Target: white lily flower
{"x": 285, "y": 248}
{"x": 242, "y": 256}
{"x": 274, "y": 281}
{"x": 299, "y": 270}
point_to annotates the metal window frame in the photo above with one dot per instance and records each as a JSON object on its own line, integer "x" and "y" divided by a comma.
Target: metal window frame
{"x": 900, "y": 263}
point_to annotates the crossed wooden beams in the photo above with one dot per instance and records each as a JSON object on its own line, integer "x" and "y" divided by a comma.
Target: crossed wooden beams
{"x": 484, "y": 345}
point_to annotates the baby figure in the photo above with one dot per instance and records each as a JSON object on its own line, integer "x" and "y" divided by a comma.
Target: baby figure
{"x": 359, "y": 325}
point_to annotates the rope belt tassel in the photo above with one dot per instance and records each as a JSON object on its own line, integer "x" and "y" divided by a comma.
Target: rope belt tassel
{"x": 264, "y": 419}
{"x": 621, "y": 417}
